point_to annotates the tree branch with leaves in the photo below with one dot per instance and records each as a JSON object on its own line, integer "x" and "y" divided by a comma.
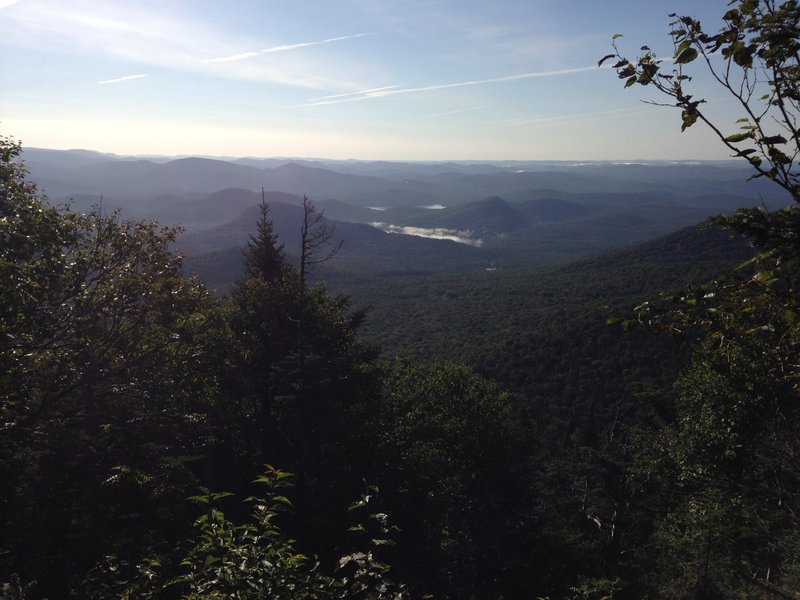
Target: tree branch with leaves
{"x": 725, "y": 465}
{"x": 755, "y": 57}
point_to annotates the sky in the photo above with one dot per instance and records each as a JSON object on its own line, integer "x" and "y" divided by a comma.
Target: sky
{"x": 339, "y": 79}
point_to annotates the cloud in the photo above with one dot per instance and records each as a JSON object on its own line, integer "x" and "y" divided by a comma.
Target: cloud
{"x": 326, "y": 41}
{"x": 233, "y": 57}
{"x": 558, "y": 120}
{"x": 384, "y": 92}
{"x": 119, "y": 79}
{"x": 358, "y": 93}
{"x": 285, "y": 47}
{"x": 7, "y": 3}
{"x": 160, "y": 35}
{"x": 460, "y": 110}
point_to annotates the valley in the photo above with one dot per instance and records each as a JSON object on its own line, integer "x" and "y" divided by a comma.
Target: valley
{"x": 523, "y": 282}
{"x": 539, "y": 339}
{"x": 535, "y": 255}
{"x": 533, "y": 264}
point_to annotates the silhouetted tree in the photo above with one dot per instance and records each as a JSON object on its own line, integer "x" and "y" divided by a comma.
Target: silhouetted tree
{"x": 315, "y": 234}
{"x": 264, "y": 254}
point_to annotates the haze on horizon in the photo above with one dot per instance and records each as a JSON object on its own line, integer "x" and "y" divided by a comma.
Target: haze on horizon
{"x": 364, "y": 79}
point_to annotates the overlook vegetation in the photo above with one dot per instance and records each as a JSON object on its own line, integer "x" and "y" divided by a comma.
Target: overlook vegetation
{"x": 611, "y": 414}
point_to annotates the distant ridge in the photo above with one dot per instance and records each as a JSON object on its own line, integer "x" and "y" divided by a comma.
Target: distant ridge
{"x": 128, "y": 180}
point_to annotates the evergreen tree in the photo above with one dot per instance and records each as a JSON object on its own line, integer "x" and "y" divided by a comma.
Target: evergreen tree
{"x": 301, "y": 387}
{"x": 264, "y": 254}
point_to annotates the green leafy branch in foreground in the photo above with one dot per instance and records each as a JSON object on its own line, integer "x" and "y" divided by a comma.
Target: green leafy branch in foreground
{"x": 755, "y": 58}
{"x": 721, "y": 469}
{"x": 256, "y": 559}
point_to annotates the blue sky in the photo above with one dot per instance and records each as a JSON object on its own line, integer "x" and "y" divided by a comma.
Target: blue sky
{"x": 365, "y": 79}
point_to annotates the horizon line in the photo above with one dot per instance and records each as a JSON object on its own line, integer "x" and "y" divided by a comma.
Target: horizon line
{"x": 227, "y": 158}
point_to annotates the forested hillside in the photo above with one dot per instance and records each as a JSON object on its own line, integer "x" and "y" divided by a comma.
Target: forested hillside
{"x": 417, "y": 418}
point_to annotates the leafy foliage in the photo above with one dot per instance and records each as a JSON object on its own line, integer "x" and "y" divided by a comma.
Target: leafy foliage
{"x": 729, "y": 458}
{"x": 123, "y": 385}
{"x": 453, "y": 463}
{"x": 103, "y": 381}
{"x": 758, "y": 46}
{"x": 256, "y": 559}
{"x": 723, "y": 468}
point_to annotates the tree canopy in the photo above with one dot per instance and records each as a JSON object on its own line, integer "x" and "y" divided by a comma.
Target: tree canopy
{"x": 126, "y": 388}
{"x": 724, "y": 466}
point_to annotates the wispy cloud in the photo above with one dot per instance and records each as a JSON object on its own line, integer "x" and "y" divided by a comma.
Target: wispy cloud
{"x": 120, "y": 79}
{"x": 460, "y": 110}
{"x": 285, "y": 47}
{"x": 169, "y": 38}
{"x": 7, "y": 3}
{"x": 558, "y": 120}
{"x": 396, "y": 90}
{"x": 233, "y": 57}
{"x": 358, "y": 93}
{"x": 341, "y": 38}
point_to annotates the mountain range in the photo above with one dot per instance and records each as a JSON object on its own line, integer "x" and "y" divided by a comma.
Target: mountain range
{"x": 432, "y": 219}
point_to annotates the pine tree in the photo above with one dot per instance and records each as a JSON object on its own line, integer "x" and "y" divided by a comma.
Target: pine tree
{"x": 264, "y": 255}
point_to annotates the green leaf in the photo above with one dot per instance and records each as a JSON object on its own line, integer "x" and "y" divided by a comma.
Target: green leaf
{"x": 737, "y": 137}
{"x": 649, "y": 70}
{"x": 764, "y": 277}
{"x": 773, "y": 139}
{"x": 746, "y": 263}
{"x": 687, "y": 56}
{"x": 357, "y": 505}
{"x": 383, "y": 542}
{"x": 354, "y": 557}
{"x": 604, "y": 59}
{"x": 731, "y": 15}
{"x": 743, "y": 56}
{"x": 689, "y": 119}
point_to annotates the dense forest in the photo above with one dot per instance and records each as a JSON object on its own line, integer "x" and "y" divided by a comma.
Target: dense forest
{"x": 625, "y": 425}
